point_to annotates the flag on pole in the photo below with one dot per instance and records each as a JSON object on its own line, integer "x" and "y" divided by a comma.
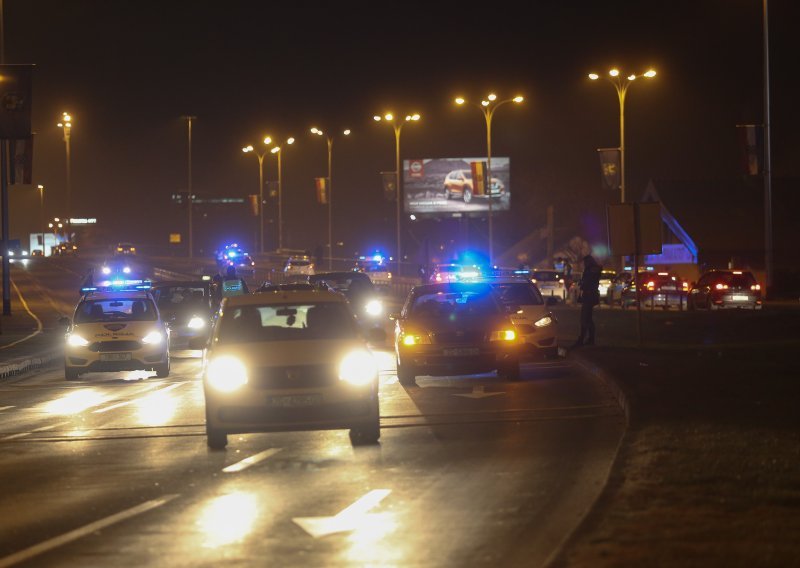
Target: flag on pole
{"x": 322, "y": 190}
{"x": 751, "y": 142}
{"x": 609, "y": 167}
{"x": 21, "y": 161}
{"x": 389, "y": 185}
{"x": 253, "y": 199}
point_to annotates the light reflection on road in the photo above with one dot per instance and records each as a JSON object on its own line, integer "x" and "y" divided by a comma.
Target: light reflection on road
{"x": 228, "y": 519}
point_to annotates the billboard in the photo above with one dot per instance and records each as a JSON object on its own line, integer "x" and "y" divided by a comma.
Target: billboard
{"x": 445, "y": 186}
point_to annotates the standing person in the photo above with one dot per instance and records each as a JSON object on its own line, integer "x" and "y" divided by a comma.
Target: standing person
{"x": 590, "y": 297}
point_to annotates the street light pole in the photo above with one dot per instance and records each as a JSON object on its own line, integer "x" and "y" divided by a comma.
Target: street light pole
{"x": 41, "y": 213}
{"x": 398, "y": 128}
{"x": 190, "y": 196}
{"x": 278, "y": 150}
{"x": 66, "y": 126}
{"x": 318, "y": 132}
{"x": 247, "y": 150}
{"x": 488, "y": 108}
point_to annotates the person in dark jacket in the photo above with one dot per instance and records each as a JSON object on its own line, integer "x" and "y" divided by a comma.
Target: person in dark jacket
{"x": 589, "y": 298}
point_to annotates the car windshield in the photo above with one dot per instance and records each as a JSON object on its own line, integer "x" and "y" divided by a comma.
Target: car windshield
{"x": 287, "y": 322}
{"x": 180, "y": 297}
{"x": 95, "y": 311}
{"x": 453, "y": 304}
{"x": 518, "y": 294}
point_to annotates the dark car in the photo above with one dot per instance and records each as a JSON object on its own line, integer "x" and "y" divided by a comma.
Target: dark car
{"x": 657, "y": 289}
{"x": 360, "y": 291}
{"x": 454, "y": 328}
{"x": 188, "y": 309}
{"x": 268, "y": 286}
{"x": 725, "y": 289}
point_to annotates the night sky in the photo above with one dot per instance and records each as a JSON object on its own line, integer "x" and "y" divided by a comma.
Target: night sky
{"x": 128, "y": 71}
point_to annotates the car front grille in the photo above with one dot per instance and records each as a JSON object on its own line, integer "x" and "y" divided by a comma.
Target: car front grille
{"x": 112, "y": 346}
{"x": 458, "y": 337}
{"x": 300, "y": 376}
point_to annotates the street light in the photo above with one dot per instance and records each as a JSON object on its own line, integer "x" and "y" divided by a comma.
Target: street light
{"x": 397, "y": 125}
{"x": 66, "y": 126}
{"x": 247, "y": 150}
{"x": 189, "y": 194}
{"x": 488, "y": 107}
{"x": 621, "y": 84}
{"x": 277, "y": 150}
{"x": 41, "y": 213}
{"x": 318, "y": 132}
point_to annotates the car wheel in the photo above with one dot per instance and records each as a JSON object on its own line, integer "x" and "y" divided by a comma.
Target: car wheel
{"x": 162, "y": 371}
{"x": 510, "y": 371}
{"x": 216, "y": 439}
{"x": 467, "y": 195}
{"x": 366, "y": 434}
{"x": 71, "y": 374}
{"x": 405, "y": 375}
{"x": 447, "y": 194}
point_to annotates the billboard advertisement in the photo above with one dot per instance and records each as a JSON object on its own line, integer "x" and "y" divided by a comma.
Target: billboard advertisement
{"x": 448, "y": 186}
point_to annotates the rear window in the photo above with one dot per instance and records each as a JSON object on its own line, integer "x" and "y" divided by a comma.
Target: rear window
{"x": 743, "y": 280}
{"x": 453, "y": 304}
{"x": 287, "y": 322}
{"x": 96, "y": 311}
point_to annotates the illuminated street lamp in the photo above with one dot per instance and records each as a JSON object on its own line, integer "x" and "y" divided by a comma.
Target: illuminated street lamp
{"x": 277, "y": 150}
{"x": 488, "y": 106}
{"x": 621, "y": 84}
{"x": 397, "y": 125}
{"x": 318, "y": 132}
{"x": 260, "y": 156}
{"x": 41, "y": 212}
{"x": 66, "y": 126}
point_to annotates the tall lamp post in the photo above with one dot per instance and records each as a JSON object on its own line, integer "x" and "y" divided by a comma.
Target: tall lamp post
{"x": 488, "y": 106}
{"x": 397, "y": 125}
{"x": 318, "y": 132}
{"x": 277, "y": 150}
{"x": 189, "y": 193}
{"x": 260, "y": 156}
{"x": 621, "y": 85}
{"x": 66, "y": 126}
{"x": 41, "y": 213}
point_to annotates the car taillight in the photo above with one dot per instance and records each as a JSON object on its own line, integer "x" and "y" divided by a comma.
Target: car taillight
{"x": 685, "y": 285}
{"x": 438, "y": 277}
{"x": 721, "y": 286}
{"x": 755, "y": 287}
{"x": 651, "y": 285}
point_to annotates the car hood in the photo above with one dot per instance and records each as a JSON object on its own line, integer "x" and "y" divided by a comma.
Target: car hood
{"x": 458, "y": 323}
{"x": 529, "y": 314}
{"x": 288, "y": 353}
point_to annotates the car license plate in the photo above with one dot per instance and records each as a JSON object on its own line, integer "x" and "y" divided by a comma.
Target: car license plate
{"x": 295, "y": 400}
{"x": 115, "y": 356}
{"x": 737, "y": 298}
{"x": 461, "y": 351}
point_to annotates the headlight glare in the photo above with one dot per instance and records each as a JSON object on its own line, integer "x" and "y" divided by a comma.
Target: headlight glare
{"x": 503, "y": 335}
{"x": 153, "y": 338}
{"x": 358, "y": 368}
{"x": 543, "y": 322}
{"x": 196, "y": 323}
{"x": 412, "y": 339}
{"x": 75, "y": 340}
{"x": 374, "y": 307}
{"x": 106, "y": 270}
{"x": 226, "y": 374}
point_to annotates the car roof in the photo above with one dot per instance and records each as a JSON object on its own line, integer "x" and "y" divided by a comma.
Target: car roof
{"x": 446, "y": 286}
{"x": 181, "y": 283}
{"x": 504, "y": 280}
{"x": 284, "y": 297}
{"x": 118, "y": 295}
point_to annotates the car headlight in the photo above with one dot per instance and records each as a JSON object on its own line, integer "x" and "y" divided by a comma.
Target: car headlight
{"x": 374, "y": 307}
{"x": 126, "y": 269}
{"x": 358, "y": 368}
{"x": 75, "y": 340}
{"x": 153, "y": 338}
{"x": 106, "y": 270}
{"x": 196, "y": 323}
{"x": 503, "y": 335}
{"x": 226, "y": 374}
{"x": 543, "y": 322}
{"x": 414, "y": 339}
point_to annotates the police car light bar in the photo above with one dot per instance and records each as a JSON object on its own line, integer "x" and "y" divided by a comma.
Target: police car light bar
{"x": 118, "y": 285}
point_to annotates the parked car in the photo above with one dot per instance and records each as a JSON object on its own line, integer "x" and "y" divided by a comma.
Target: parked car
{"x": 606, "y": 279}
{"x": 618, "y": 284}
{"x": 659, "y": 289}
{"x": 550, "y": 283}
{"x": 298, "y": 266}
{"x": 296, "y": 360}
{"x": 454, "y": 328}
{"x": 459, "y": 184}
{"x": 717, "y": 289}
{"x": 188, "y": 308}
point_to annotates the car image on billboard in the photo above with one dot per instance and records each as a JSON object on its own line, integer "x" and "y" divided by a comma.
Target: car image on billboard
{"x": 444, "y": 186}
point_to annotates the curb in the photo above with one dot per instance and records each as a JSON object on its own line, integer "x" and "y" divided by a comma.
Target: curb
{"x": 619, "y": 394}
{"x": 25, "y": 364}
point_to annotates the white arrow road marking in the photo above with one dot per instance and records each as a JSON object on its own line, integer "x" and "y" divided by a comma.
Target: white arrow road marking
{"x": 68, "y": 537}
{"x": 348, "y": 519}
{"x": 252, "y": 460}
{"x": 479, "y": 392}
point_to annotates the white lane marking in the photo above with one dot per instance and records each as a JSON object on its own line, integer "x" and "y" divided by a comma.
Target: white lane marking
{"x": 40, "y": 429}
{"x": 33, "y": 315}
{"x": 70, "y": 536}
{"x": 251, "y": 461}
{"x": 127, "y": 402}
{"x": 2, "y": 408}
{"x": 479, "y": 392}
{"x": 348, "y": 519}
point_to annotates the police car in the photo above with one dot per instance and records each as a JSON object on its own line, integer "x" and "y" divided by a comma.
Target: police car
{"x": 116, "y": 328}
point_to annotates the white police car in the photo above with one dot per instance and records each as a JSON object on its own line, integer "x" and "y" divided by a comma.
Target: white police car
{"x": 116, "y": 330}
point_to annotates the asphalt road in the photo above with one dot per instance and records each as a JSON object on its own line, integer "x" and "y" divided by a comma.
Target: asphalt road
{"x": 113, "y": 469}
